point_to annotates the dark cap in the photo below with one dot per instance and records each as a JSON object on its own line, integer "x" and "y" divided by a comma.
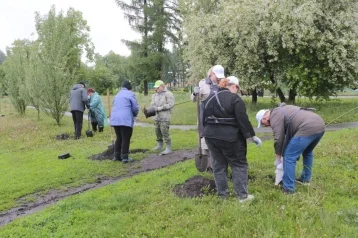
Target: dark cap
{"x": 126, "y": 84}
{"x": 84, "y": 85}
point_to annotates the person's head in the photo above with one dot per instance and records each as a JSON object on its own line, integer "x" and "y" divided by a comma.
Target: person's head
{"x": 82, "y": 84}
{"x": 90, "y": 91}
{"x": 217, "y": 73}
{"x": 159, "y": 86}
{"x": 126, "y": 84}
{"x": 230, "y": 83}
{"x": 263, "y": 118}
{"x": 234, "y": 85}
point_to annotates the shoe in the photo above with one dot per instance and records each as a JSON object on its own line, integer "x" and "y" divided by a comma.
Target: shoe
{"x": 129, "y": 160}
{"x": 286, "y": 191}
{"x": 300, "y": 181}
{"x": 248, "y": 198}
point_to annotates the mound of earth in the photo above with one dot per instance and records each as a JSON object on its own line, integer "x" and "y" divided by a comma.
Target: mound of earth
{"x": 63, "y": 136}
{"x": 108, "y": 154}
{"x": 196, "y": 186}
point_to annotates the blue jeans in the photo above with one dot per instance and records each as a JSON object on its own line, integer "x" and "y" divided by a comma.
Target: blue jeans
{"x": 299, "y": 145}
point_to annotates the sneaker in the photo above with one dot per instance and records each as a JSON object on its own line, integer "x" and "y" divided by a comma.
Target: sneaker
{"x": 288, "y": 192}
{"x": 300, "y": 181}
{"x": 125, "y": 161}
{"x": 248, "y": 198}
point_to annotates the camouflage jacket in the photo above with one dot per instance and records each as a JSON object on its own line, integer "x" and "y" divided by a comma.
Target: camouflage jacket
{"x": 163, "y": 104}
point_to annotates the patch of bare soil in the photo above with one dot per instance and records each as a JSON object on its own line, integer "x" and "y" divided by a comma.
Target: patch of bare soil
{"x": 196, "y": 186}
{"x": 108, "y": 154}
{"x": 149, "y": 163}
{"x": 63, "y": 136}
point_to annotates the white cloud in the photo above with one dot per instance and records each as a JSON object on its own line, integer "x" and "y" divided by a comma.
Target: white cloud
{"x": 108, "y": 26}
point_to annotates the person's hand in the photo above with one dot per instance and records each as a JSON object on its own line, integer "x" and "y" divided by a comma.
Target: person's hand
{"x": 257, "y": 141}
{"x": 136, "y": 119}
{"x": 196, "y": 90}
{"x": 158, "y": 109}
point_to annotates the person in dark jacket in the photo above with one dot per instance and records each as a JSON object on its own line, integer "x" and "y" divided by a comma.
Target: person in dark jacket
{"x": 226, "y": 128}
{"x": 124, "y": 110}
{"x": 78, "y": 103}
{"x": 297, "y": 131}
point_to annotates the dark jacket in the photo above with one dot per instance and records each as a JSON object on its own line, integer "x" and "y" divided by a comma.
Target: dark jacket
{"x": 78, "y": 98}
{"x": 230, "y": 122}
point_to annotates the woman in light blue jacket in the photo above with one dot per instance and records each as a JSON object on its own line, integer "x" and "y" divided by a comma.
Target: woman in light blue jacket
{"x": 124, "y": 110}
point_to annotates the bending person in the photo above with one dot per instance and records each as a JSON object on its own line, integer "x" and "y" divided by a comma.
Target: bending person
{"x": 96, "y": 112}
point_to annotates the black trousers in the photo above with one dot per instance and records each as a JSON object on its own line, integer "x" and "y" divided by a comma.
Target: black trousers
{"x": 77, "y": 117}
{"x": 234, "y": 154}
{"x": 124, "y": 134}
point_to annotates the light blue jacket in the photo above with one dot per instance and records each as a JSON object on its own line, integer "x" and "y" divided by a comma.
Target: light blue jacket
{"x": 97, "y": 113}
{"x": 125, "y": 107}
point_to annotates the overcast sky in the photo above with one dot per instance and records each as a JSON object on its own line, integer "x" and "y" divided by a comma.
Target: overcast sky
{"x": 108, "y": 26}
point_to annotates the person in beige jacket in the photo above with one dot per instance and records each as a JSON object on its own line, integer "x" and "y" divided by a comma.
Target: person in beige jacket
{"x": 206, "y": 87}
{"x": 297, "y": 131}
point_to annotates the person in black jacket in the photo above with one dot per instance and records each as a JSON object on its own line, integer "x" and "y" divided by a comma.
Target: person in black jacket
{"x": 226, "y": 128}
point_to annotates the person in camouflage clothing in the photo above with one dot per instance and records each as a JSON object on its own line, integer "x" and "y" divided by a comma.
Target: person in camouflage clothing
{"x": 163, "y": 102}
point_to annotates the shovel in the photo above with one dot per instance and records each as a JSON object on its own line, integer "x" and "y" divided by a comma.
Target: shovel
{"x": 201, "y": 161}
{"x": 89, "y": 133}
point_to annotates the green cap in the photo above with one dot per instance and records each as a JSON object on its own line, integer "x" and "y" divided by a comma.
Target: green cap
{"x": 158, "y": 83}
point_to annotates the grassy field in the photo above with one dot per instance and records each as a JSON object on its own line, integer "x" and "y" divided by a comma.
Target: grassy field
{"x": 29, "y": 151}
{"x": 144, "y": 205}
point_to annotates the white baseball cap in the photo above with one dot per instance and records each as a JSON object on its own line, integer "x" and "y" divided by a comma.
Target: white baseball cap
{"x": 259, "y": 116}
{"x": 233, "y": 80}
{"x": 218, "y": 70}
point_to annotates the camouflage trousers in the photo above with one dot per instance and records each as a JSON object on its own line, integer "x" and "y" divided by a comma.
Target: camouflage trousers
{"x": 162, "y": 131}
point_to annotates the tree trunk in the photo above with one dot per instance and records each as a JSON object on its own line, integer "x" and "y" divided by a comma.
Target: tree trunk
{"x": 145, "y": 84}
{"x": 254, "y": 96}
{"x": 281, "y": 95}
{"x": 292, "y": 96}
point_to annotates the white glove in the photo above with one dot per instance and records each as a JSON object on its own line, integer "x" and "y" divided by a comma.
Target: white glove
{"x": 196, "y": 90}
{"x": 257, "y": 141}
{"x": 277, "y": 162}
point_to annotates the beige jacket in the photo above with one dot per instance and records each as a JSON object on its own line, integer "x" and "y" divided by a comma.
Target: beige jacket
{"x": 163, "y": 104}
{"x": 206, "y": 86}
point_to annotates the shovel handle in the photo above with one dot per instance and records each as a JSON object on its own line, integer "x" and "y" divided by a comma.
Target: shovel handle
{"x": 109, "y": 109}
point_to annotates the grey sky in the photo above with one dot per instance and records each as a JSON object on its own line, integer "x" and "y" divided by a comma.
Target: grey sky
{"x": 108, "y": 26}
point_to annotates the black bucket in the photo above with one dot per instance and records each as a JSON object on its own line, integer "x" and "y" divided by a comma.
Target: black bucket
{"x": 149, "y": 112}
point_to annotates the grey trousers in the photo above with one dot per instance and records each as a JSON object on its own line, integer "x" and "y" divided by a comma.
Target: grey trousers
{"x": 225, "y": 153}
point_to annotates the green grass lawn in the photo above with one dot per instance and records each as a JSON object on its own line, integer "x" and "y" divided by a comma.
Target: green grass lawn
{"x": 29, "y": 151}
{"x": 144, "y": 205}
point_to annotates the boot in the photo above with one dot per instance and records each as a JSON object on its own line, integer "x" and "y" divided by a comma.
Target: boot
{"x": 94, "y": 126}
{"x": 159, "y": 146}
{"x": 117, "y": 156}
{"x": 167, "y": 150}
{"x": 100, "y": 128}
{"x": 126, "y": 159}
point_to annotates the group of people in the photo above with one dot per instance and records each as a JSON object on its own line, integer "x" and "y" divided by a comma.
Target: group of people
{"x": 80, "y": 99}
{"x": 124, "y": 111}
{"x": 226, "y": 128}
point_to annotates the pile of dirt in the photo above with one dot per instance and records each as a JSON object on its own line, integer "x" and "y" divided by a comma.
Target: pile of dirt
{"x": 108, "y": 154}
{"x": 196, "y": 186}
{"x": 63, "y": 137}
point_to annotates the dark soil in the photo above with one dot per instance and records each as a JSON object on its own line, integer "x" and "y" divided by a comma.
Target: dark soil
{"x": 108, "y": 154}
{"x": 196, "y": 186}
{"x": 63, "y": 137}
